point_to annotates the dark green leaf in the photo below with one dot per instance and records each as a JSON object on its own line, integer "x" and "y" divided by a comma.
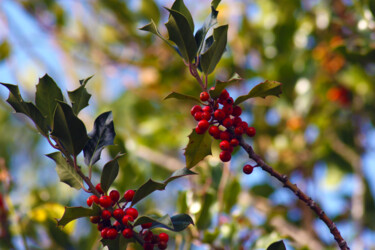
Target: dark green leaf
{"x": 179, "y": 6}
{"x": 66, "y": 173}
{"x": 46, "y": 97}
{"x": 146, "y": 189}
{"x": 220, "y": 85}
{"x": 151, "y": 27}
{"x": 156, "y": 220}
{"x": 372, "y": 7}
{"x": 263, "y": 89}
{"x": 179, "y": 173}
{"x": 5, "y": 50}
{"x": 231, "y": 192}
{"x": 200, "y": 35}
{"x": 199, "y": 146}
{"x": 181, "y": 34}
{"x": 212, "y": 56}
{"x": 204, "y": 217}
{"x": 29, "y": 109}
{"x": 215, "y": 3}
{"x": 73, "y": 213}
{"x": 80, "y": 97}
{"x": 103, "y": 134}
{"x": 69, "y": 129}
{"x": 179, "y": 223}
{"x": 278, "y": 245}
{"x": 109, "y": 173}
{"x": 182, "y": 97}
{"x": 120, "y": 243}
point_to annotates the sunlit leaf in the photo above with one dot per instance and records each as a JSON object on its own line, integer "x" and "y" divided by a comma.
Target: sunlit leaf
{"x": 179, "y": 223}
{"x": 198, "y": 148}
{"x": 200, "y": 35}
{"x": 182, "y": 97}
{"x": 73, "y": 213}
{"x": 146, "y": 189}
{"x": 221, "y": 85}
{"x": 263, "y": 89}
{"x": 156, "y": 220}
{"x": 80, "y": 97}
{"x": 151, "y": 27}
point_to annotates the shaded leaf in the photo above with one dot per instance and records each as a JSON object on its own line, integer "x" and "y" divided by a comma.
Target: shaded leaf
{"x": 181, "y": 34}
{"x": 221, "y": 85}
{"x": 199, "y": 146}
{"x": 179, "y": 6}
{"x": 263, "y": 89}
{"x": 29, "y": 109}
{"x": 215, "y": 3}
{"x": 279, "y": 245}
{"x": 66, "y": 173}
{"x": 156, "y": 220}
{"x": 182, "y": 97}
{"x": 119, "y": 243}
{"x": 103, "y": 134}
{"x": 80, "y": 97}
{"x": 179, "y": 173}
{"x": 109, "y": 173}
{"x": 212, "y": 56}
{"x": 69, "y": 129}
{"x": 151, "y": 27}
{"x": 204, "y": 217}
{"x": 200, "y": 35}
{"x": 231, "y": 193}
{"x": 179, "y": 223}
{"x": 46, "y": 97}
{"x": 73, "y": 213}
{"x": 146, "y": 189}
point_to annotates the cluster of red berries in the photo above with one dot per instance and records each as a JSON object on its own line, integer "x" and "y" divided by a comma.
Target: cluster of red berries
{"x": 222, "y": 120}
{"x": 122, "y": 216}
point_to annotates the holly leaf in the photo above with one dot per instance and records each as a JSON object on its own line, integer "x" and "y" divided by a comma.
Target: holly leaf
{"x": 109, "y": 173}
{"x": 215, "y": 3}
{"x": 263, "y": 89}
{"x": 103, "y": 134}
{"x": 182, "y": 35}
{"x": 200, "y": 35}
{"x": 46, "y": 97}
{"x": 69, "y": 129}
{"x": 199, "y": 146}
{"x": 179, "y": 6}
{"x": 66, "y": 173}
{"x": 156, "y": 220}
{"x": 117, "y": 244}
{"x": 80, "y": 97}
{"x": 212, "y": 56}
{"x": 178, "y": 174}
{"x": 278, "y": 245}
{"x": 221, "y": 85}
{"x": 73, "y": 213}
{"x": 179, "y": 223}
{"x": 182, "y": 97}
{"x": 151, "y": 27}
{"x": 29, "y": 109}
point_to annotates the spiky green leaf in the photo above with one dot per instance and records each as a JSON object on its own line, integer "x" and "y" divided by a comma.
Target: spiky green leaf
{"x": 263, "y": 89}
{"x": 80, "y": 97}
{"x": 198, "y": 148}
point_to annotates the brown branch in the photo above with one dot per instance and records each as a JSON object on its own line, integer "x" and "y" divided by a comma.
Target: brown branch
{"x": 298, "y": 192}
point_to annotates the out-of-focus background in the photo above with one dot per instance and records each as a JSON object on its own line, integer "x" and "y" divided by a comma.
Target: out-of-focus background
{"x": 320, "y": 132}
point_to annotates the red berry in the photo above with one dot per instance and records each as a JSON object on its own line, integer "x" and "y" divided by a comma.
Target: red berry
{"x": 250, "y": 131}
{"x": 237, "y": 111}
{"x": 114, "y": 195}
{"x": 127, "y": 233}
{"x": 234, "y": 142}
{"x": 106, "y": 215}
{"x": 229, "y": 101}
{"x": 98, "y": 188}
{"x": 228, "y": 109}
{"x": 219, "y": 114}
{"x": 147, "y": 235}
{"x": 238, "y": 130}
{"x": 225, "y": 156}
{"x": 236, "y": 121}
{"x": 100, "y": 226}
{"x": 94, "y": 219}
{"x": 204, "y": 96}
{"x": 224, "y": 95}
{"x": 146, "y": 225}
{"x": 103, "y": 233}
{"x": 225, "y": 136}
{"x": 203, "y": 124}
{"x": 128, "y": 196}
{"x": 244, "y": 125}
{"x": 207, "y": 109}
{"x": 199, "y": 131}
{"x": 162, "y": 245}
{"x": 224, "y": 145}
{"x": 111, "y": 233}
{"x": 89, "y": 201}
{"x": 195, "y": 109}
{"x": 214, "y": 131}
{"x": 206, "y": 116}
{"x": 132, "y": 212}
{"x": 105, "y": 201}
{"x": 126, "y": 219}
{"x": 248, "y": 169}
{"x": 198, "y": 116}
{"x": 148, "y": 246}
{"x": 227, "y": 122}
{"x": 118, "y": 213}
{"x": 163, "y": 237}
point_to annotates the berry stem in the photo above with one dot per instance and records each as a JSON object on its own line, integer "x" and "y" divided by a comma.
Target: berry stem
{"x": 194, "y": 72}
{"x": 298, "y": 192}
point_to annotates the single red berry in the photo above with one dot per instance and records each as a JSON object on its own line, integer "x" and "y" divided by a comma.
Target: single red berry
{"x": 94, "y": 219}
{"x": 237, "y": 111}
{"x": 132, "y": 212}
{"x": 214, "y": 131}
{"x": 219, "y": 114}
{"x": 225, "y": 136}
{"x": 106, "y": 215}
{"x": 199, "y": 131}
{"x": 234, "y": 142}
{"x": 118, "y": 213}
{"x": 105, "y": 201}
{"x": 207, "y": 109}
{"x": 229, "y": 100}
{"x": 103, "y": 233}
{"x": 198, "y": 116}
{"x": 248, "y": 169}
{"x": 146, "y": 225}
{"x": 244, "y": 125}
{"x": 225, "y": 156}
{"x": 163, "y": 237}
{"x": 238, "y": 130}
{"x": 127, "y": 233}
{"x": 206, "y": 116}
{"x": 147, "y": 235}
{"x": 98, "y": 188}
{"x": 204, "y": 96}
{"x": 228, "y": 109}
{"x": 228, "y": 122}
{"x": 162, "y": 245}
{"x": 148, "y": 246}
{"x": 237, "y": 121}
{"x": 128, "y": 196}
{"x": 95, "y": 199}
{"x": 195, "y": 109}
{"x": 111, "y": 233}
{"x": 224, "y": 145}
{"x": 224, "y": 95}
{"x": 250, "y": 131}
{"x": 203, "y": 124}
{"x": 126, "y": 219}
{"x": 114, "y": 195}
{"x": 89, "y": 201}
